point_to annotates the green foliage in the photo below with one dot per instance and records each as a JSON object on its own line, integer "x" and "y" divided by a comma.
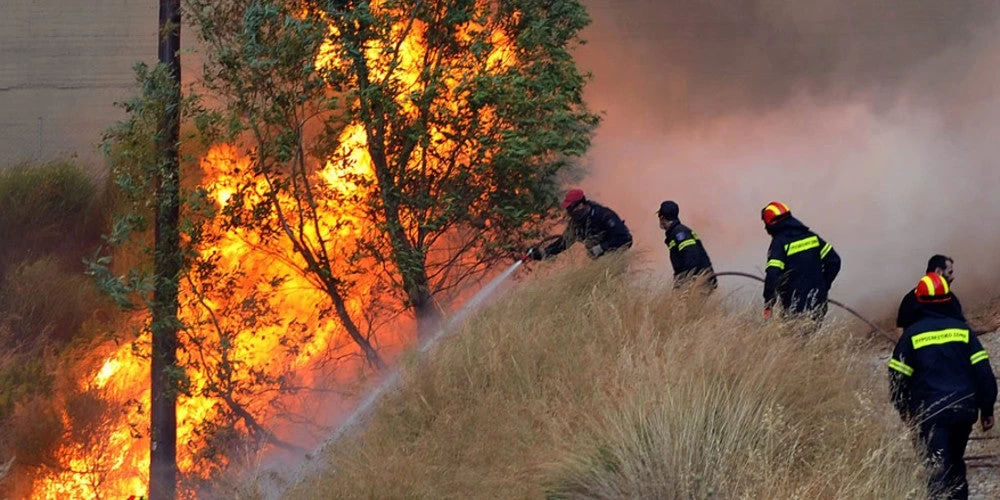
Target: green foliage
{"x": 54, "y": 208}
{"x": 471, "y": 111}
{"x": 273, "y": 46}
{"x": 220, "y": 306}
{"x": 131, "y": 148}
{"x": 21, "y": 378}
{"x": 136, "y": 169}
{"x": 466, "y": 157}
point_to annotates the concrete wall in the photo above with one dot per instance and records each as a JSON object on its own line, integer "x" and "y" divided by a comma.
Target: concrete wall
{"x": 63, "y": 65}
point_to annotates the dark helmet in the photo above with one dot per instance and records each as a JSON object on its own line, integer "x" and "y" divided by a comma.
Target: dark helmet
{"x": 669, "y": 209}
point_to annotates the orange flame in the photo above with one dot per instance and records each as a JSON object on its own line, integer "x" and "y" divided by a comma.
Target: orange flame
{"x": 117, "y": 465}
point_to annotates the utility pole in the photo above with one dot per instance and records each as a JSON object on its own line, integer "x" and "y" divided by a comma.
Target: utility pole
{"x": 167, "y": 263}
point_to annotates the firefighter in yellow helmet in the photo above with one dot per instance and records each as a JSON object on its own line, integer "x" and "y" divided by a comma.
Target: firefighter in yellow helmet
{"x": 942, "y": 382}
{"x": 801, "y": 266}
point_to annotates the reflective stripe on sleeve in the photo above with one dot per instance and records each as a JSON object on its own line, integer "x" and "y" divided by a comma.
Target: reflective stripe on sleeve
{"x": 826, "y": 249}
{"x": 900, "y": 367}
{"x": 979, "y": 356}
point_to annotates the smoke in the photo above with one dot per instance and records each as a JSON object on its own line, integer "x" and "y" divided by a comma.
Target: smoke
{"x": 874, "y": 120}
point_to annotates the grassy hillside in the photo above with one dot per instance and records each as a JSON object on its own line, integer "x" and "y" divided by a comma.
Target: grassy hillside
{"x": 593, "y": 384}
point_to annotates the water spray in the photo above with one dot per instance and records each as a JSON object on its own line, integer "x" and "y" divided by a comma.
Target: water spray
{"x": 367, "y": 404}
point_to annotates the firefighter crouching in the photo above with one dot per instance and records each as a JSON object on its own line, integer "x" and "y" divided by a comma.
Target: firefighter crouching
{"x": 941, "y": 380}
{"x": 801, "y": 266}
{"x": 688, "y": 257}
{"x": 598, "y": 227}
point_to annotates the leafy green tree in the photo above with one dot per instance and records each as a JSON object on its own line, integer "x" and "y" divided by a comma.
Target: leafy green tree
{"x": 222, "y": 310}
{"x": 415, "y": 143}
{"x": 147, "y": 171}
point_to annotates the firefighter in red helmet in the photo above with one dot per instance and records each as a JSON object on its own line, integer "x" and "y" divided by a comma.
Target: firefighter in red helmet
{"x": 801, "y": 266}
{"x": 941, "y": 381}
{"x": 598, "y": 227}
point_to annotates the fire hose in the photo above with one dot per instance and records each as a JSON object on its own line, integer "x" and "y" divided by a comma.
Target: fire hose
{"x": 854, "y": 313}
{"x": 875, "y": 328}
{"x": 540, "y": 245}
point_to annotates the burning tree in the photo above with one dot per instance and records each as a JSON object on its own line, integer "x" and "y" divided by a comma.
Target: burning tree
{"x": 418, "y": 142}
{"x": 360, "y": 159}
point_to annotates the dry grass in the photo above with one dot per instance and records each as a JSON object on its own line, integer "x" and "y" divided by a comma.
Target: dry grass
{"x": 590, "y": 384}
{"x": 42, "y": 302}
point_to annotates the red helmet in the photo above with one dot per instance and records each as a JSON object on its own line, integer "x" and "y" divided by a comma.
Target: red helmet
{"x": 573, "y": 197}
{"x": 774, "y": 212}
{"x": 933, "y": 288}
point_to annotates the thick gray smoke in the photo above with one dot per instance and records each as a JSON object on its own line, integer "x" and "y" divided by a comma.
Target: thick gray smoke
{"x": 875, "y": 120}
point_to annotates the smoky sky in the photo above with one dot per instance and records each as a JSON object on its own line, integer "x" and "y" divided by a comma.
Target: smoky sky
{"x": 875, "y": 120}
{"x": 689, "y": 59}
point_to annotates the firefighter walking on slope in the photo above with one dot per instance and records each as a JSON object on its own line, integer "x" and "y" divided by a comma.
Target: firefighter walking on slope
{"x": 800, "y": 268}
{"x": 941, "y": 382}
{"x": 687, "y": 252}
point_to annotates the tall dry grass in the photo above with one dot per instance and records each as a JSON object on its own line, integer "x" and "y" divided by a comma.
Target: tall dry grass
{"x": 597, "y": 383}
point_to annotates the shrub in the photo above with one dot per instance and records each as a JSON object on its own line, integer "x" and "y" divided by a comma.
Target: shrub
{"x": 55, "y": 208}
{"x": 40, "y": 300}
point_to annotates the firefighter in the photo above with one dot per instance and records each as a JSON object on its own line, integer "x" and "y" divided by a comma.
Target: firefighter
{"x": 687, "y": 252}
{"x": 941, "y": 265}
{"x": 941, "y": 381}
{"x": 598, "y": 227}
{"x": 800, "y": 268}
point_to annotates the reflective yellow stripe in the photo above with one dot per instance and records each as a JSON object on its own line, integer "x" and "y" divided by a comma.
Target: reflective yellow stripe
{"x": 901, "y": 367}
{"x": 979, "y": 356}
{"x": 826, "y": 249}
{"x": 929, "y": 285}
{"x": 672, "y": 244}
{"x": 940, "y": 337}
{"x": 928, "y": 282}
{"x": 802, "y": 245}
{"x": 775, "y": 263}
{"x": 686, "y": 244}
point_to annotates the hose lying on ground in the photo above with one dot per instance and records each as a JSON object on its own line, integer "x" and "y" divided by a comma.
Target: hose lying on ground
{"x": 875, "y": 327}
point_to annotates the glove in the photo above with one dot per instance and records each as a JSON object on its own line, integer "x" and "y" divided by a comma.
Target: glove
{"x": 767, "y": 313}
{"x": 596, "y": 250}
{"x": 533, "y": 254}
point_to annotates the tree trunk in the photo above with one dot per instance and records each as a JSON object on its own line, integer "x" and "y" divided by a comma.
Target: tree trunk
{"x": 410, "y": 260}
{"x": 427, "y": 313}
{"x": 167, "y": 261}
